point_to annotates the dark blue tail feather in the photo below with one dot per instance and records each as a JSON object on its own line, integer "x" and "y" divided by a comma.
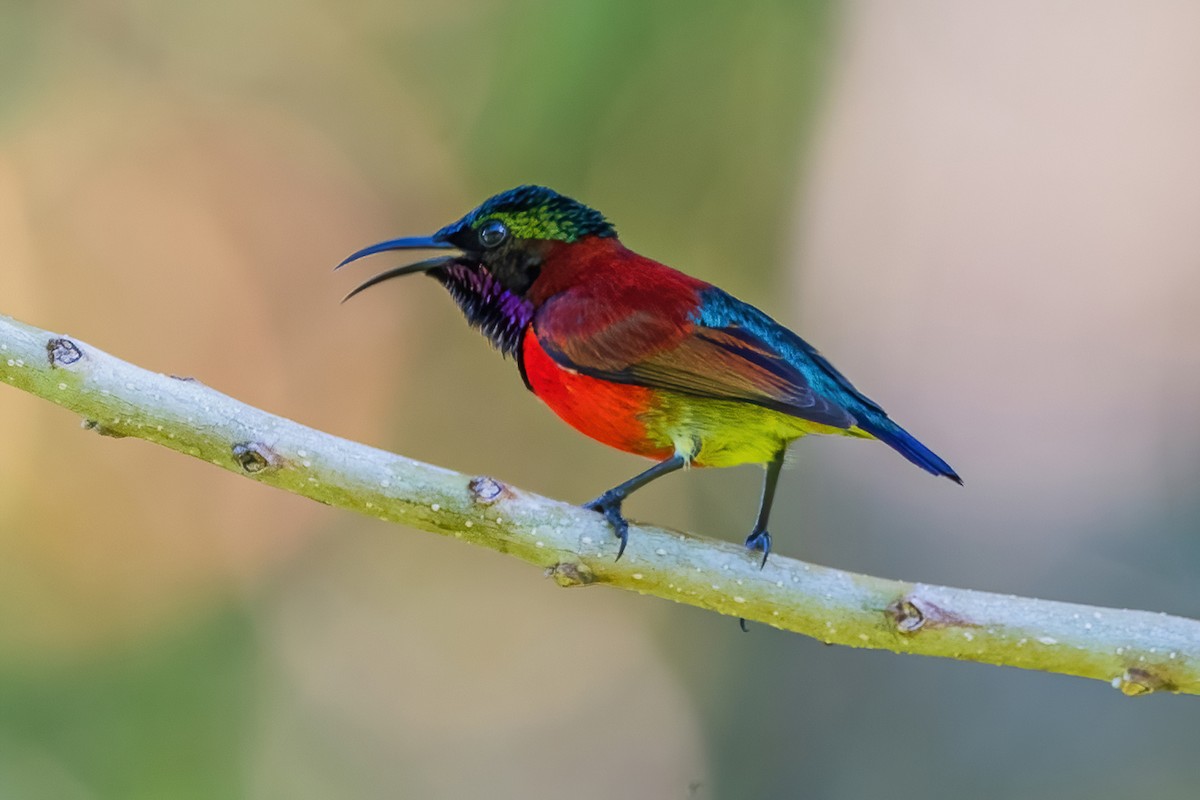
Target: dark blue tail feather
{"x": 906, "y": 445}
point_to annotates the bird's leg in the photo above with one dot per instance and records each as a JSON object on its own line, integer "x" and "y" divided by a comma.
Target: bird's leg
{"x": 609, "y": 503}
{"x": 759, "y": 539}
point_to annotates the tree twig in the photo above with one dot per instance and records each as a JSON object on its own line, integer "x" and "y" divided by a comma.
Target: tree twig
{"x": 1137, "y": 652}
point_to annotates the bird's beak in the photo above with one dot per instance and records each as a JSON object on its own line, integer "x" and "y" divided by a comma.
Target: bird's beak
{"x": 435, "y": 242}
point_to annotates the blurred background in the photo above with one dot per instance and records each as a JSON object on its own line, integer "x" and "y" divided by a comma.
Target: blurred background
{"x": 984, "y": 213}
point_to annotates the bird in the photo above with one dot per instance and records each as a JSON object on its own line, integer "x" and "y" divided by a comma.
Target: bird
{"x": 637, "y": 355}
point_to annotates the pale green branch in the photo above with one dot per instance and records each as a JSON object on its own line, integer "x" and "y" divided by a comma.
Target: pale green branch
{"x": 1135, "y": 651}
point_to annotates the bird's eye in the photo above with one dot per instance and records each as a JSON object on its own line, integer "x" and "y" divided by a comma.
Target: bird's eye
{"x": 493, "y": 233}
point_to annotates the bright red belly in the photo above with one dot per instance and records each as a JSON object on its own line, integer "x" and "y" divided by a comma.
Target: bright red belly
{"x": 611, "y": 413}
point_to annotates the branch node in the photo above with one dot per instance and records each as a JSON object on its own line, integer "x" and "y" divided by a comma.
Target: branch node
{"x": 102, "y": 429}
{"x": 906, "y": 615}
{"x": 254, "y": 457}
{"x": 485, "y": 490}
{"x": 1138, "y": 681}
{"x": 569, "y": 573}
{"x": 910, "y": 614}
{"x": 61, "y": 352}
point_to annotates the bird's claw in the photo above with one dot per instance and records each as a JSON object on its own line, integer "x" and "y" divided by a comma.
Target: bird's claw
{"x": 759, "y": 540}
{"x": 610, "y": 507}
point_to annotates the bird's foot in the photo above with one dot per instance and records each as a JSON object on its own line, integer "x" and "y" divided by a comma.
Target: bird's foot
{"x": 759, "y": 540}
{"x": 610, "y": 506}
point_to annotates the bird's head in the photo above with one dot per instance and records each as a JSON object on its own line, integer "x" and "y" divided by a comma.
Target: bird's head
{"x": 504, "y": 240}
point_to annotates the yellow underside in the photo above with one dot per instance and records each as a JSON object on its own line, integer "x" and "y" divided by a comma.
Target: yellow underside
{"x": 725, "y": 433}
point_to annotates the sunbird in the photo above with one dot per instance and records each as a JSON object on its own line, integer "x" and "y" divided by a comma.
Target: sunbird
{"x": 638, "y": 355}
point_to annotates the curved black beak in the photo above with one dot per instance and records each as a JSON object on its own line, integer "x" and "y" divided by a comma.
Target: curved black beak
{"x": 406, "y": 243}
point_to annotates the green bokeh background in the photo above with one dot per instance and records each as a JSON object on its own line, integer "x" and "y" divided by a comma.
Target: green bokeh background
{"x": 176, "y": 181}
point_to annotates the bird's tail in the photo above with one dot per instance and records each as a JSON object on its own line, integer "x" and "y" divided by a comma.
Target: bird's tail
{"x": 907, "y": 445}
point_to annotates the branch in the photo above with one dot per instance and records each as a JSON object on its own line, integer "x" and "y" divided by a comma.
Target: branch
{"x": 1136, "y": 651}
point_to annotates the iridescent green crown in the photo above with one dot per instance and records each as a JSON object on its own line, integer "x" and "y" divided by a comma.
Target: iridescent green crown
{"x": 536, "y": 212}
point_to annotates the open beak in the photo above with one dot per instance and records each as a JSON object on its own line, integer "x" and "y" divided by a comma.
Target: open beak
{"x": 407, "y": 243}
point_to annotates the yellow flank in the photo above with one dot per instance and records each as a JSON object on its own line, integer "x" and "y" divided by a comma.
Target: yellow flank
{"x": 725, "y": 433}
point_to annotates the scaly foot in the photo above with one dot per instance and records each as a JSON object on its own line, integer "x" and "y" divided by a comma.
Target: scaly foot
{"x": 610, "y": 506}
{"x": 759, "y": 540}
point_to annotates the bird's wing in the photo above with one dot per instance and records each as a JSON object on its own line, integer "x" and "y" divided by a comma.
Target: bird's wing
{"x": 722, "y": 349}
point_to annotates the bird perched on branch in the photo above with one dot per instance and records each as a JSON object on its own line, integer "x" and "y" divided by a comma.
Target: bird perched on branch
{"x": 638, "y": 355}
